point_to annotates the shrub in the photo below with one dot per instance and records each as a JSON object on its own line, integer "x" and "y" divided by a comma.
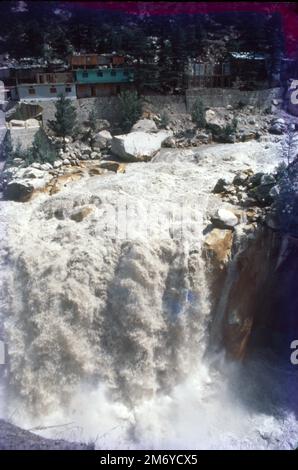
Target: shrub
{"x": 65, "y": 123}
{"x": 198, "y": 113}
{"x": 164, "y": 119}
{"x": 42, "y": 151}
{"x": 130, "y": 109}
{"x": 92, "y": 119}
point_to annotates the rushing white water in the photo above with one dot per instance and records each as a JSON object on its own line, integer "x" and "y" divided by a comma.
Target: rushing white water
{"x": 107, "y": 318}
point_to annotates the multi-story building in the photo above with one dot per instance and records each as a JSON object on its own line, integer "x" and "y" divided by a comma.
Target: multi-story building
{"x": 88, "y": 75}
{"x": 102, "y": 82}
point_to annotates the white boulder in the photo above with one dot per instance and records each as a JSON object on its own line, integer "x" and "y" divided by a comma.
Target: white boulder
{"x": 138, "y": 146}
{"x": 225, "y": 219}
{"x": 103, "y": 139}
{"x": 144, "y": 125}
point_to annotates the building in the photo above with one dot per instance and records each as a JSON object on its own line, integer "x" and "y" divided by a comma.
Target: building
{"x": 44, "y": 92}
{"x": 86, "y": 75}
{"x": 201, "y": 74}
{"x": 102, "y": 82}
{"x": 249, "y": 70}
{"x": 57, "y": 77}
{"x": 253, "y": 69}
{"x": 90, "y": 61}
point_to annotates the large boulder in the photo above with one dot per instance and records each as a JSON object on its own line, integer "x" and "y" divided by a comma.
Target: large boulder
{"x": 32, "y": 123}
{"x": 101, "y": 124}
{"x": 110, "y": 165}
{"x": 224, "y": 219}
{"x": 17, "y": 123}
{"x": 138, "y": 146}
{"x": 22, "y": 184}
{"x": 20, "y": 191}
{"x": 215, "y": 121}
{"x": 102, "y": 139}
{"x": 218, "y": 245}
{"x": 144, "y": 125}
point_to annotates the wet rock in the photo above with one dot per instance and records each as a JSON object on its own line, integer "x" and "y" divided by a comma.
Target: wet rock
{"x": 220, "y": 187}
{"x": 267, "y": 179}
{"x": 224, "y": 219}
{"x": 112, "y": 166}
{"x": 102, "y": 139}
{"x": 255, "y": 179}
{"x": 218, "y": 245}
{"x": 240, "y": 179}
{"x": 138, "y": 146}
{"x": 19, "y": 191}
{"x": 214, "y": 120}
{"x": 169, "y": 142}
{"x": 144, "y": 125}
{"x": 262, "y": 194}
{"x": 80, "y": 214}
{"x": 102, "y": 124}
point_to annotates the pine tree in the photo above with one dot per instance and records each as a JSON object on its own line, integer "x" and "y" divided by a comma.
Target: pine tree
{"x": 65, "y": 123}
{"x": 198, "y": 113}
{"x": 7, "y": 149}
{"x": 42, "y": 150}
{"x": 130, "y": 109}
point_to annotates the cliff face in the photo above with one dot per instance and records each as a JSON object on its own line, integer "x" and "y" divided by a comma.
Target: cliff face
{"x": 259, "y": 279}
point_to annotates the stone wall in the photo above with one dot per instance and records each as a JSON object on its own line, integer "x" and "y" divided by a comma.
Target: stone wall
{"x": 108, "y": 107}
{"x": 23, "y": 136}
{"x": 221, "y": 97}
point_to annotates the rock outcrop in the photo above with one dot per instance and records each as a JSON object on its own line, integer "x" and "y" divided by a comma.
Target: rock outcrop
{"x": 138, "y": 146}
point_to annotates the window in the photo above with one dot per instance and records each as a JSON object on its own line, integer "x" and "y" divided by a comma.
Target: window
{"x": 126, "y": 73}
{"x": 31, "y": 91}
{"x": 53, "y": 89}
{"x": 67, "y": 89}
{"x": 113, "y": 73}
{"x": 85, "y": 74}
{"x": 99, "y": 73}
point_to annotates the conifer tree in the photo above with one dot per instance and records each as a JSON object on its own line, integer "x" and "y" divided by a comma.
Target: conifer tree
{"x": 42, "y": 151}
{"x": 65, "y": 123}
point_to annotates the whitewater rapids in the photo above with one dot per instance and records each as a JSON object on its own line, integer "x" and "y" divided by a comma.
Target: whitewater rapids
{"x": 105, "y": 312}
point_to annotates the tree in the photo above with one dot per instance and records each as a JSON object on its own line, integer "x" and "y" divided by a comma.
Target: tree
{"x": 65, "y": 123}
{"x": 198, "y": 113}
{"x": 92, "y": 118}
{"x": 130, "y": 109}
{"x": 42, "y": 151}
{"x": 7, "y": 149}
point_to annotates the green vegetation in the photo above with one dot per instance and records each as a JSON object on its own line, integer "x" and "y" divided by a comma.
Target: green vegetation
{"x": 198, "y": 113}
{"x": 65, "y": 123}
{"x": 164, "y": 119}
{"x": 41, "y": 151}
{"x": 130, "y": 109}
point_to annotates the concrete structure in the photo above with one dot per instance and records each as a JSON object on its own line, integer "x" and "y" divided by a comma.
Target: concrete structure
{"x": 45, "y": 92}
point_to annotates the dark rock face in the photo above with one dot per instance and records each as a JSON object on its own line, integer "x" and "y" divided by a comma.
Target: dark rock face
{"x": 262, "y": 302}
{"x": 18, "y": 191}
